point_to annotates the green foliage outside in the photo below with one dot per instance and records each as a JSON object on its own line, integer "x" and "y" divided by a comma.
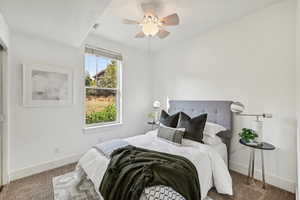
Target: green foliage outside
{"x": 100, "y": 93}
{"x": 88, "y": 80}
{"x": 107, "y": 80}
{"x": 108, "y": 114}
{"x": 96, "y": 110}
{"x": 248, "y": 134}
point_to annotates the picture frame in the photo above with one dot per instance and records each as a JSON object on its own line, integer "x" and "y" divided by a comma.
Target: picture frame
{"x": 47, "y": 85}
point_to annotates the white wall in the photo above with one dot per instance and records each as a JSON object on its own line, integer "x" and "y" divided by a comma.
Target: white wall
{"x": 251, "y": 60}
{"x": 37, "y": 132}
{"x": 5, "y": 41}
{"x": 4, "y": 32}
{"x": 298, "y": 94}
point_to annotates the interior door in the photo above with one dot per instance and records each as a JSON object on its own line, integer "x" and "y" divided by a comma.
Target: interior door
{"x": 1, "y": 117}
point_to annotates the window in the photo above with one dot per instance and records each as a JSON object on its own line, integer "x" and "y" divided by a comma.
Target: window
{"x": 102, "y": 87}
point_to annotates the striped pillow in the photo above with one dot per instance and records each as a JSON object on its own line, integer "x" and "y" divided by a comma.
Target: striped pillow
{"x": 173, "y": 135}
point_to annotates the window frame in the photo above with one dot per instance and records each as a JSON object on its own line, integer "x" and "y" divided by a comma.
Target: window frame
{"x": 119, "y": 96}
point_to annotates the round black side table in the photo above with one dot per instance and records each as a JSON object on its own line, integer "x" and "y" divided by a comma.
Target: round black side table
{"x": 153, "y": 125}
{"x": 264, "y": 146}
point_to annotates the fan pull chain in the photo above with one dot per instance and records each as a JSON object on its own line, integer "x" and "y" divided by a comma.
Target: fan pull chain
{"x": 149, "y": 45}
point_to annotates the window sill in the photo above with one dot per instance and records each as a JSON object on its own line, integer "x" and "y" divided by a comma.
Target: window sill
{"x": 92, "y": 129}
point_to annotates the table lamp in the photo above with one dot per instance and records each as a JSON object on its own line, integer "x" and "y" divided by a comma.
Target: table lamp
{"x": 156, "y": 107}
{"x": 238, "y": 108}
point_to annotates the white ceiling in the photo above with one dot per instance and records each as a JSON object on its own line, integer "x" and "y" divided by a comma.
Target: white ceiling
{"x": 69, "y": 21}
{"x": 196, "y": 16}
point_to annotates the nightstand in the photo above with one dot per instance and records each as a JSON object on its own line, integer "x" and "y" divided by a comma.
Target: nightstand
{"x": 264, "y": 146}
{"x": 153, "y": 125}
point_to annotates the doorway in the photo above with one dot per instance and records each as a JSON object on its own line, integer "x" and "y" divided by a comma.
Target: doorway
{"x": 1, "y": 114}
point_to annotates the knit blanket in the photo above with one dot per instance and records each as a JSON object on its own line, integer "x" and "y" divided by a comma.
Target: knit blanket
{"x": 131, "y": 170}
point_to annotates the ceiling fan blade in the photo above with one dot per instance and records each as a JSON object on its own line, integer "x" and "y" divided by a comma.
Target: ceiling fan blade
{"x": 129, "y": 21}
{"x": 140, "y": 35}
{"x": 163, "y": 34}
{"x": 170, "y": 20}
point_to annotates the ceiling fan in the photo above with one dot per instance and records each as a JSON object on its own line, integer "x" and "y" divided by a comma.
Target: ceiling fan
{"x": 152, "y": 25}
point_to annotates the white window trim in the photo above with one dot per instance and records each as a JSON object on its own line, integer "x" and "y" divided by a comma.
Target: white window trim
{"x": 92, "y": 129}
{"x": 119, "y": 122}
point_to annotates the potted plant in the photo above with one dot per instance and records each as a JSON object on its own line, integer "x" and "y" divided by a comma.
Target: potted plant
{"x": 248, "y": 135}
{"x": 151, "y": 118}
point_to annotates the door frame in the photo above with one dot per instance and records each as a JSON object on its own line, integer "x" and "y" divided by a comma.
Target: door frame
{"x": 4, "y": 80}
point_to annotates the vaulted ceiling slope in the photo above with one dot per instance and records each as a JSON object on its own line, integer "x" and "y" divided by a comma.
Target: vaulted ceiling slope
{"x": 196, "y": 16}
{"x": 69, "y": 21}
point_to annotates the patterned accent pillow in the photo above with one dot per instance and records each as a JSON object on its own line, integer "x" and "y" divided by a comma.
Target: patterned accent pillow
{"x": 173, "y": 135}
{"x": 161, "y": 192}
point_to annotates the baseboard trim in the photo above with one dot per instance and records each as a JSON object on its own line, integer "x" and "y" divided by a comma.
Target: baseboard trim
{"x": 42, "y": 167}
{"x": 284, "y": 184}
{"x": 297, "y": 191}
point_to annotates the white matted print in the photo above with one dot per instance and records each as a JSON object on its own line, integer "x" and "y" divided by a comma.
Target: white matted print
{"x": 45, "y": 85}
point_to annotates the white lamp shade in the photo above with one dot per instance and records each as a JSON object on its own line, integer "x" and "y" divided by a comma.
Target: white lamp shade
{"x": 237, "y": 107}
{"x": 156, "y": 104}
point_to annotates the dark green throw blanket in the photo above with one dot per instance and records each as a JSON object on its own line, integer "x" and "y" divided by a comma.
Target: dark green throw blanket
{"x": 133, "y": 169}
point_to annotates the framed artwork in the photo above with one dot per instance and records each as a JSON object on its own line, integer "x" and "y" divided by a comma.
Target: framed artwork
{"x": 45, "y": 85}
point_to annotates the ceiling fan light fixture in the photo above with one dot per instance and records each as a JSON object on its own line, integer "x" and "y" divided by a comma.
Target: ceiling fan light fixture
{"x": 150, "y": 29}
{"x": 152, "y": 25}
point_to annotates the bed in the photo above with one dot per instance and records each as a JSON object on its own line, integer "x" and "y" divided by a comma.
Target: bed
{"x": 219, "y": 112}
{"x": 211, "y": 161}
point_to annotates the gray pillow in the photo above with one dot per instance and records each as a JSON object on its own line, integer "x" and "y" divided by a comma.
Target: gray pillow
{"x": 173, "y": 135}
{"x": 169, "y": 120}
{"x": 193, "y": 126}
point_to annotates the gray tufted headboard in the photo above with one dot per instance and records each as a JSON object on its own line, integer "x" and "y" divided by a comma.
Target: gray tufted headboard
{"x": 219, "y": 112}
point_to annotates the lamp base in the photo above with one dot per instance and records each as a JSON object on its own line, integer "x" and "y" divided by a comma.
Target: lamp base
{"x": 257, "y": 126}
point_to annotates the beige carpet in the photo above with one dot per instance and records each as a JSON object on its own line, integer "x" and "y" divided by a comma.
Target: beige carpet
{"x": 39, "y": 187}
{"x": 76, "y": 186}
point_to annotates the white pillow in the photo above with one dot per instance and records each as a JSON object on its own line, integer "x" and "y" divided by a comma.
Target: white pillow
{"x": 211, "y": 129}
{"x": 212, "y": 140}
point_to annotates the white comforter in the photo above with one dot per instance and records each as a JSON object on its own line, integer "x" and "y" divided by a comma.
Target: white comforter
{"x": 210, "y": 166}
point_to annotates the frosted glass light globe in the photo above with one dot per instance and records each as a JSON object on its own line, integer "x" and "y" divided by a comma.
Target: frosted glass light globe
{"x": 150, "y": 29}
{"x": 156, "y": 104}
